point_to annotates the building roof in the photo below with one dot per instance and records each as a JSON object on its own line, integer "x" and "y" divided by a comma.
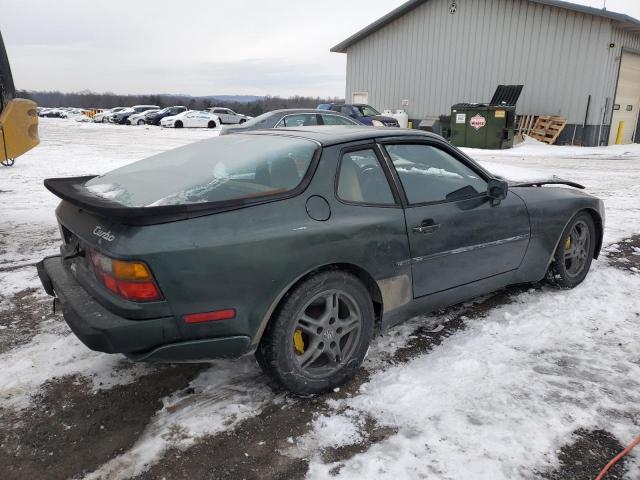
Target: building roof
{"x": 622, "y": 21}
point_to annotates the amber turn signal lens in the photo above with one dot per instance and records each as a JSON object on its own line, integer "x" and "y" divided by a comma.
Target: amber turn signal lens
{"x": 135, "y": 271}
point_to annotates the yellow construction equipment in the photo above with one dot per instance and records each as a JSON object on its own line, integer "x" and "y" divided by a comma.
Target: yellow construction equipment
{"x": 18, "y": 117}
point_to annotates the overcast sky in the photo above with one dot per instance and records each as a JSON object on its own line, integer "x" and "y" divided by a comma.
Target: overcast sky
{"x": 199, "y": 47}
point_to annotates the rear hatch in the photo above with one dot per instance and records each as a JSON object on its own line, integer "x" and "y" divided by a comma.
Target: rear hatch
{"x": 84, "y": 234}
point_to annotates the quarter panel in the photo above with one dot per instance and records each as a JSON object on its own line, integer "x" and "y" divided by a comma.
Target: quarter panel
{"x": 245, "y": 259}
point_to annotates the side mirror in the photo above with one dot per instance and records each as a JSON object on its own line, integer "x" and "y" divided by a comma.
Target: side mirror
{"x": 497, "y": 189}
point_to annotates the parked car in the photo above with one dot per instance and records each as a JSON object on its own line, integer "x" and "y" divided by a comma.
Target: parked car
{"x": 294, "y": 117}
{"x": 140, "y": 118}
{"x": 122, "y": 116}
{"x": 365, "y": 114}
{"x": 53, "y": 113}
{"x": 154, "y": 118}
{"x": 228, "y": 116}
{"x": 300, "y": 245}
{"x": 102, "y": 117}
{"x": 191, "y": 119}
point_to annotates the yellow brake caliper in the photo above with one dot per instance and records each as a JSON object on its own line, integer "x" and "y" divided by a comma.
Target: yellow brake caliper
{"x": 298, "y": 342}
{"x": 567, "y": 243}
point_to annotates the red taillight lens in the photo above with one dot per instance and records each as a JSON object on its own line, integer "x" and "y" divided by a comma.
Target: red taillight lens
{"x": 129, "y": 280}
{"x": 109, "y": 282}
{"x": 138, "y": 291}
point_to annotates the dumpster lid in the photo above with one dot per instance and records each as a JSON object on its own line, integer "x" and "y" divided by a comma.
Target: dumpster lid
{"x": 506, "y": 95}
{"x": 470, "y": 105}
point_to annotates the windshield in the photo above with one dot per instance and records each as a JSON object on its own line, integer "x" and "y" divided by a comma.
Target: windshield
{"x": 260, "y": 119}
{"x": 367, "y": 111}
{"x": 215, "y": 170}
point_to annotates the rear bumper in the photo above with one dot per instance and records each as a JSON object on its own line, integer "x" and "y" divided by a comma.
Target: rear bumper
{"x": 103, "y": 331}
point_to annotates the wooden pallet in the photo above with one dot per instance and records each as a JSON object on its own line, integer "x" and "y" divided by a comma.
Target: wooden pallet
{"x": 524, "y": 124}
{"x": 548, "y": 128}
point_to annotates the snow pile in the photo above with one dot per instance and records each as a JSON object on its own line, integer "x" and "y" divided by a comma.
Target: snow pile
{"x": 224, "y": 395}
{"x": 496, "y": 400}
{"x": 533, "y": 148}
{"x": 330, "y": 431}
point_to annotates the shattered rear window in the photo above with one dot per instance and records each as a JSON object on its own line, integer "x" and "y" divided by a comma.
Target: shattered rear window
{"x": 220, "y": 169}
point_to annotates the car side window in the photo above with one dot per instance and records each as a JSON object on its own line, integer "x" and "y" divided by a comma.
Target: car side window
{"x": 430, "y": 174}
{"x": 301, "y": 120}
{"x": 362, "y": 180}
{"x": 346, "y": 110}
{"x": 336, "y": 120}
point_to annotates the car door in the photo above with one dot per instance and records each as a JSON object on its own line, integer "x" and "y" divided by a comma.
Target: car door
{"x": 222, "y": 114}
{"x": 232, "y": 117}
{"x": 457, "y": 234}
{"x": 190, "y": 119}
{"x": 203, "y": 119}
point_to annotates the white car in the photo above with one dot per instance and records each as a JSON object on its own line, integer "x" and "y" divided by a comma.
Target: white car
{"x": 191, "y": 119}
{"x": 102, "y": 116}
{"x": 138, "y": 118}
{"x": 228, "y": 116}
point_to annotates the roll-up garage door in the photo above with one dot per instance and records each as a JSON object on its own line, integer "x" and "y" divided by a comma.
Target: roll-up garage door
{"x": 627, "y": 103}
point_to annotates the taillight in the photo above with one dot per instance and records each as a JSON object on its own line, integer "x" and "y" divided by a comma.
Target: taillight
{"x": 129, "y": 280}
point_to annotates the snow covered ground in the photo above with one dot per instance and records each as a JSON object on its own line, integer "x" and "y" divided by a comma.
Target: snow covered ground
{"x": 493, "y": 399}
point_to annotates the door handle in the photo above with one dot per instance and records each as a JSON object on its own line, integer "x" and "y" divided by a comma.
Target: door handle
{"x": 427, "y": 226}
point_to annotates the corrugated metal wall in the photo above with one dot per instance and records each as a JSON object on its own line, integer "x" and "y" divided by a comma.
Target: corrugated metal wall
{"x": 435, "y": 59}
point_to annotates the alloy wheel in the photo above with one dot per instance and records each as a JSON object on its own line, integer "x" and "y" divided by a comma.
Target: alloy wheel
{"x": 576, "y": 248}
{"x": 326, "y": 333}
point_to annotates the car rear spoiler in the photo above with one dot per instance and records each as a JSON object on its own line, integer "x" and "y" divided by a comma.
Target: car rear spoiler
{"x": 553, "y": 181}
{"x": 72, "y": 190}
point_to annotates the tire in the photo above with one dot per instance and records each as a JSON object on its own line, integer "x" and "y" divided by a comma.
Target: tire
{"x": 178, "y": 124}
{"x": 573, "y": 256}
{"x": 242, "y": 120}
{"x": 211, "y": 124}
{"x": 140, "y": 122}
{"x": 319, "y": 335}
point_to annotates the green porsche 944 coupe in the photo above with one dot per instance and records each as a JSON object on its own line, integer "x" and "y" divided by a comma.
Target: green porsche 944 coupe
{"x": 300, "y": 245}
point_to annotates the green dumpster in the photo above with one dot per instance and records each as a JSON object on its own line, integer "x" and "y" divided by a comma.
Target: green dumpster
{"x": 478, "y": 125}
{"x": 486, "y": 125}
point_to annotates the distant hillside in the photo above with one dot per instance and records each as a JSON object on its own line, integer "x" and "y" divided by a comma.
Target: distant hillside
{"x": 247, "y": 104}
{"x": 234, "y": 98}
{"x": 222, "y": 98}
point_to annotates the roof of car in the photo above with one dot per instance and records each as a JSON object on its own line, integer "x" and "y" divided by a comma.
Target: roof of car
{"x": 331, "y": 135}
{"x": 300, "y": 110}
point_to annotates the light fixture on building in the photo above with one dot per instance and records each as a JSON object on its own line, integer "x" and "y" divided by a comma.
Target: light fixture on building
{"x": 453, "y": 6}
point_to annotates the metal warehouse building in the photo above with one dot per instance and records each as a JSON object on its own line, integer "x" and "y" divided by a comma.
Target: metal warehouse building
{"x": 578, "y": 62}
